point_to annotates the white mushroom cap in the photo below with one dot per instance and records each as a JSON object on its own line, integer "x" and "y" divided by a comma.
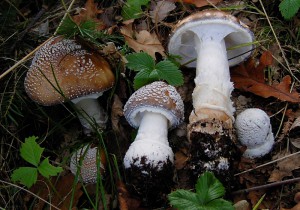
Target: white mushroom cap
{"x": 157, "y": 97}
{"x": 254, "y": 131}
{"x": 63, "y": 64}
{"x": 88, "y": 168}
{"x": 236, "y": 36}
{"x": 154, "y": 154}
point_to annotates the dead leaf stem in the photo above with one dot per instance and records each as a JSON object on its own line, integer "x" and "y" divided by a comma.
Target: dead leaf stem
{"x": 266, "y": 186}
{"x": 268, "y": 163}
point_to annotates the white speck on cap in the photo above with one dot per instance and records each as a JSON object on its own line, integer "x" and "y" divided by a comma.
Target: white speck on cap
{"x": 64, "y": 65}
{"x": 157, "y": 97}
{"x": 254, "y": 131}
{"x": 88, "y": 168}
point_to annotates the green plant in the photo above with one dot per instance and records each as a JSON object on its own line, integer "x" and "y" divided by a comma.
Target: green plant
{"x": 149, "y": 71}
{"x": 209, "y": 191}
{"x": 31, "y": 152}
{"x": 132, "y": 9}
{"x": 86, "y": 30}
{"x": 289, "y": 8}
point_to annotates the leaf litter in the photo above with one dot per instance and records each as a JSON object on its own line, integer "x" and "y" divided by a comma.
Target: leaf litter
{"x": 248, "y": 77}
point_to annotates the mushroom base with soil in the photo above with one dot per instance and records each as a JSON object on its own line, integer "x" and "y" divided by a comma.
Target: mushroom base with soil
{"x": 146, "y": 182}
{"x": 212, "y": 149}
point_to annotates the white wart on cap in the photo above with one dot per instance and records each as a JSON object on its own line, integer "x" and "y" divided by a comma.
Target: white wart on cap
{"x": 153, "y": 109}
{"x": 157, "y": 97}
{"x": 254, "y": 131}
{"x": 64, "y": 65}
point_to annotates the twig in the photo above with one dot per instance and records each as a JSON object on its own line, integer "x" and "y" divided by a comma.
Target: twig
{"x": 22, "y": 60}
{"x": 65, "y": 15}
{"x": 271, "y": 162}
{"x": 31, "y": 53}
{"x": 261, "y": 187}
{"x": 21, "y": 188}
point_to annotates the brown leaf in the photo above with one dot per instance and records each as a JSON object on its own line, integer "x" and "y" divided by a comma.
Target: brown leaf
{"x": 181, "y": 159}
{"x": 89, "y": 12}
{"x": 126, "y": 202}
{"x": 249, "y": 77}
{"x": 63, "y": 192}
{"x": 116, "y": 113}
{"x": 200, "y": 3}
{"x": 161, "y": 10}
{"x": 284, "y": 167}
{"x": 142, "y": 41}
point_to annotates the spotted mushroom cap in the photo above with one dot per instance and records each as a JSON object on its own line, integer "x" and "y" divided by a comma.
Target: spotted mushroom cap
{"x": 88, "y": 167}
{"x": 254, "y": 131}
{"x": 63, "y": 64}
{"x": 235, "y": 33}
{"x": 157, "y": 97}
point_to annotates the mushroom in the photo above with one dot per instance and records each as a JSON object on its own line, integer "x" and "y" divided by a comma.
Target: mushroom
{"x": 153, "y": 109}
{"x": 254, "y": 131}
{"x": 63, "y": 70}
{"x": 85, "y": 159}
{"x": 211, "y": 41}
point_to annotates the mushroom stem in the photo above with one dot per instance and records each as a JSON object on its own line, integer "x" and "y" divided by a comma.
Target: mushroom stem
{"x": 153, "y": 127}
{"x": 213, "y": 87}
{"x": 89, "y": 113}
{"x": 151, "y": 143}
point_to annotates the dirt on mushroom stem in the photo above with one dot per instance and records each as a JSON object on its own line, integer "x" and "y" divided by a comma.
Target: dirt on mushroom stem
{"x": 212, "y": 149}
{"x": 145, "y": 181}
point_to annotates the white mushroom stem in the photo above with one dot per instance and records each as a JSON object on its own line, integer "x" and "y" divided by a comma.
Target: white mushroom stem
{"x": 90, "y": 112}
{"x": 153, "y": 127}
{"x": 212, "y": 83}
{"x": 151, "y": 145}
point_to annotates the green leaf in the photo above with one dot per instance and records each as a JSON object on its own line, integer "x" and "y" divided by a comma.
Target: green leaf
{"x": 25, "y": 175}
{"x": 289, "y": 8}
{"x": 132, "y": 9}
{"x": 47, "y": 170}
{"x": 169, "y": 71}
{"x": 208, "y": 188}
{"x": 68, "y": 28}
{"x": 183, "y": 199}
{"x": 219, "y": 204}
{"x": 140, "y": 61}
{"x": 142, "y": 78}
{"x": 31, "y": 151}
{"x": 148, "y": 71}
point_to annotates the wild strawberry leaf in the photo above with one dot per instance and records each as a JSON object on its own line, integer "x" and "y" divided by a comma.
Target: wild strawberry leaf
{"x": 25, "y": 175}
{"x": 249, "y": 77}
{"x": 31, "y": 151}
{"x": 289, "y": 8}
{"x": 47, "y": 170}
{"x": 149, "y": 72}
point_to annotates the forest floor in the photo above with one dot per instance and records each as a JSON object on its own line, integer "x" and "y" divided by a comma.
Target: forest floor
{"x": 267, "y": 80}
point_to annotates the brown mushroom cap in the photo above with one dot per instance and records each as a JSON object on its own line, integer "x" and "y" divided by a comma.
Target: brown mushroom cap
{"x": 62, "y": 65}
{"x": 239, "y": 40}
{"x": 157, "y": 97}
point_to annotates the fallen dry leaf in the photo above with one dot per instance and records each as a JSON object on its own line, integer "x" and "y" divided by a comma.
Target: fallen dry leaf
{"x": 63, "y": 192}
{"x": 126, "y": 202}
{"x": 143, "y": 41}
{"x": 200, "y": 3}
{"x": 161, "y": 10}
{"x": 116, "y": 113}
{"x": 89, "y": 12}
{"x": 284, "y": 167}
{"x": 181, "y": 159}
{"x": 249, "y": 77}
